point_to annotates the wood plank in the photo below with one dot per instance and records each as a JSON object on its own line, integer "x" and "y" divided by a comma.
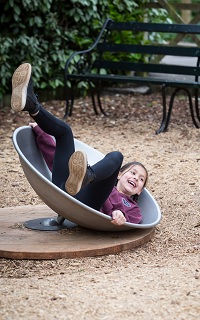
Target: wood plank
{"x": 19, "y": 242}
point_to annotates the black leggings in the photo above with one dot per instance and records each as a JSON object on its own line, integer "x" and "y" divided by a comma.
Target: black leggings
{"x": 106, "y": 170}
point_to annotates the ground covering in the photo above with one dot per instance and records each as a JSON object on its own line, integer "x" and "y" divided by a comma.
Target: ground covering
{"x": 159, "y": 280}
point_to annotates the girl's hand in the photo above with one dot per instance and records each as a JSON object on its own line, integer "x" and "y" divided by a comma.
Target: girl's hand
{"x": 32, "y": 124}
{"x": 118, "y": 218}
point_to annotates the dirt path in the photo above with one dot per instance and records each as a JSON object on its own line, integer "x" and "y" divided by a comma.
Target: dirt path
{"x": 160, "y": 280}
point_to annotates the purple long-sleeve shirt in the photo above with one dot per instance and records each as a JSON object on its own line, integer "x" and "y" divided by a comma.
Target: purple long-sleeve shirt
{"x": 47, "y": 146}
{"x": 115, "y": 201}
{"x": 122, "y": 202}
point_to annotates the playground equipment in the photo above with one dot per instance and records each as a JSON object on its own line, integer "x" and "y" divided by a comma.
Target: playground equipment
{"x": 70, "y": 211}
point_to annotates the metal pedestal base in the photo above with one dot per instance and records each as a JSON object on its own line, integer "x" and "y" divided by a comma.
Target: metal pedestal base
{"x": 49, "y": 224}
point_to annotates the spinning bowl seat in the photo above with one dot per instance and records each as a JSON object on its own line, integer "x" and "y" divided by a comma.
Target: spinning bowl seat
{"x": 39, "y": 177}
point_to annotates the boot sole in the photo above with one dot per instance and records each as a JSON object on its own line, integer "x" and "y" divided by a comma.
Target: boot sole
{"x": 20, "y": 80}
{"x": 77, "y": 171}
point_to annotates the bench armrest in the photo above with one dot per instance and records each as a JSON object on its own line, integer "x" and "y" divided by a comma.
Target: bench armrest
{"x": 81, "y": 61}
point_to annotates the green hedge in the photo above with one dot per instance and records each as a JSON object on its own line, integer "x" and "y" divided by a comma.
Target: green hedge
{"x": 46, "y": 32}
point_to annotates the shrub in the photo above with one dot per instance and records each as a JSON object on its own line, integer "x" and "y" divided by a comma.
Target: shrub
{"x": 46, "y": 32}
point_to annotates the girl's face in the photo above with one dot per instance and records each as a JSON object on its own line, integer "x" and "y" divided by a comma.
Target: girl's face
{"x": 131, "y": 181}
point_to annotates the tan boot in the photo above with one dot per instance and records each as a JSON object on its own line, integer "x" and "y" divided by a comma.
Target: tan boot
{"x": 80, "y": 174}
{"x": 23, "y": 97}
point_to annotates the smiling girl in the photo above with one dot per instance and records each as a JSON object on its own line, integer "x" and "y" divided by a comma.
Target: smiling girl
{"x": 104, "y": 186}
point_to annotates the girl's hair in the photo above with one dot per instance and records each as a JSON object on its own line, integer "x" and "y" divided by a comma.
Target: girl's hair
{"x": 126, "y": 168}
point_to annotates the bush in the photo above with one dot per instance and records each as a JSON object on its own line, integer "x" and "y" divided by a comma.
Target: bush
{"x": 46, "y": 32}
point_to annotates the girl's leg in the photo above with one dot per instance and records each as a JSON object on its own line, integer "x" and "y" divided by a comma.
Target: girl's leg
{"x": 106, "y": 172}
{"x": 64, "y": 144}
{"x": 23, "y": 98}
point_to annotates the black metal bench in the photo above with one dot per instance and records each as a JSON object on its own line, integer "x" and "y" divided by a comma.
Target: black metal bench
{"x": 96, "y": 69}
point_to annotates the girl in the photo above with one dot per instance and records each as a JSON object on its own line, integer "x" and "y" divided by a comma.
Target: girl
{"x": 104, "y": 186}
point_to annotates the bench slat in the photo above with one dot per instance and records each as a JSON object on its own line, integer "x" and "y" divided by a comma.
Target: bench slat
{"x": 150, "y": 49}
{"x": 154, "y": 27}
{"x": 146, "y": 67}
{"x": 133, "y": 79}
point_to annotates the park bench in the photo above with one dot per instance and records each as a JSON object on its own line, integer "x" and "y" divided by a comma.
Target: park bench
{"x": 100, "y": 64}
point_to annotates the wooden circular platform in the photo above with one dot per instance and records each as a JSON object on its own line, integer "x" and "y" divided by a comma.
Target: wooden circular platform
{"x": 19, "y": 242}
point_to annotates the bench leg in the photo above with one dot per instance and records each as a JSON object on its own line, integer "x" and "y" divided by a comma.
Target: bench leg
{"x": 95, "y": 93}
{"x": 99, "y": 99}
{"x": 196, "y": 95}
{"x": 92, "y": 90}
{"x": 171, "y": 106}
{"x": 162, "y": 126}
{"x": 69, "y": 101}
{"x": 197, "y": 125}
